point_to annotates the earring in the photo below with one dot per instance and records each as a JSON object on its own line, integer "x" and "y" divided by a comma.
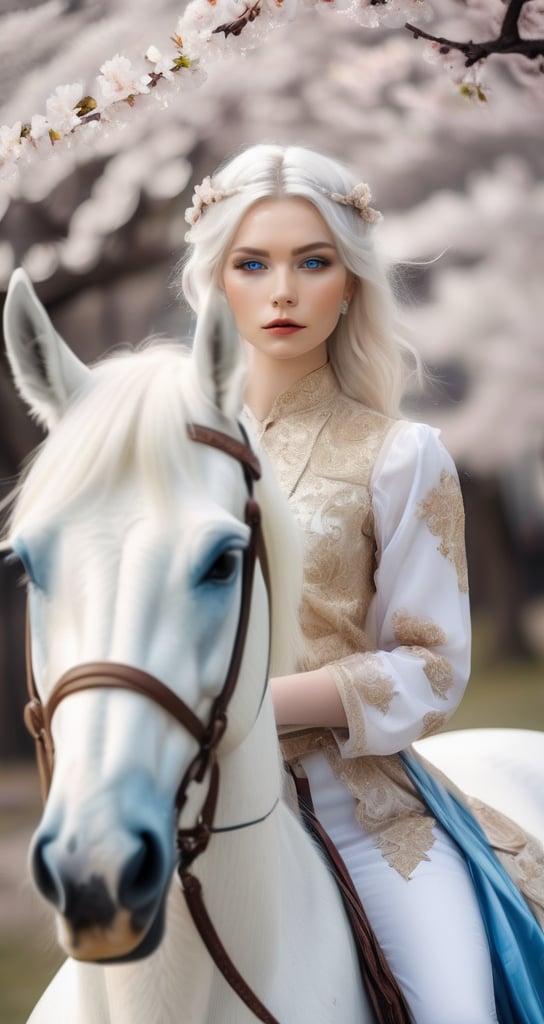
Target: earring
{"x": 344, "y": 306}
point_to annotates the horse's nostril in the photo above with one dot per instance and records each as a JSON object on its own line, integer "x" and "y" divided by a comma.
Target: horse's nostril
{"x": 47, "y": 881}
{"x": 143, "y": 874}
{"x": 83, "y": 903}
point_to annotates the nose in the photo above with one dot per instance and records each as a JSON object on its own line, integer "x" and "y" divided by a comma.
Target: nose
{"x": 105, "y": 865}
{"x": 141, "y": 877}
{"x": 284, "y": 292}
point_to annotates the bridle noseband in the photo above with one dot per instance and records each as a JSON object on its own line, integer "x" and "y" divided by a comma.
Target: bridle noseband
{"x": 111, "y": 675}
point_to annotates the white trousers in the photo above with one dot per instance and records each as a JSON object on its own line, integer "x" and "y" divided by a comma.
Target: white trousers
{"x": 429, "y": 927}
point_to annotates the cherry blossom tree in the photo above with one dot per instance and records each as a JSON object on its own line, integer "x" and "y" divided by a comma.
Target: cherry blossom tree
{"x": 209, "y": 30}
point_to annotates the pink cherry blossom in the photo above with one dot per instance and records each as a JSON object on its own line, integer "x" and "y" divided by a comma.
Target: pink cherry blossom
{"x": 39, "y": 126}
{"x": 59, "y": 109}
{"x": 118, "y": 80}
{"x": 161, "y": 65}
{"x": 11, "y": 147}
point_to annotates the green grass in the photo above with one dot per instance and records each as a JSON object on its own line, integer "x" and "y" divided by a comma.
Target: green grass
{"x": 507, "y": 695}
{"x": 26, "y": 968}
{"x": 500, "y": 694}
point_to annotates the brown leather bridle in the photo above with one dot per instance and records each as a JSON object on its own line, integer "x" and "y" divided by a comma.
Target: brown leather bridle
{"x": 191, "y": 842}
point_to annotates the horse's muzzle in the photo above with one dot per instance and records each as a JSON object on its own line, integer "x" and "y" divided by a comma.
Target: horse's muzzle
{"x": 107, "y": 874}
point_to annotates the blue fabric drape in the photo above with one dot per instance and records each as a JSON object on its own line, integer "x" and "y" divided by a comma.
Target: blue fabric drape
{"x": 516, "y": 941}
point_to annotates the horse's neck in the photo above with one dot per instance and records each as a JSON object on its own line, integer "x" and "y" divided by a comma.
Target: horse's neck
{"x": 250, "y": 777}
{"x": 241, "y": 869}
{"x": 240, "y": 876}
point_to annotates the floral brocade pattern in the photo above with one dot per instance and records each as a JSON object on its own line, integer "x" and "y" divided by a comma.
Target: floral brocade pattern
{"x": 388, "y": 806}
{"x": 373, "y": 685}
{"x": 323, "y": 447}
{"x": 416, "y": 636}
{"x": 521, "y": 854}
{"x": 411, "y": 631}
{"x": 442, "y": 510}
{"x": 437, "y": 669}
{"x": 391, "y": 809}
{"x": 433, "y": 722}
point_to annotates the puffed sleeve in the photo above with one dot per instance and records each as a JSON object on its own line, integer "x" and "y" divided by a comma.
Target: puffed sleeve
{"x": 418, "y": 622}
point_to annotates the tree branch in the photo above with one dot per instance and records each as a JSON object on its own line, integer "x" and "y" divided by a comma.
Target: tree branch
{"x": 234, "y": 28}
{"x": 509, "y": 25}
{"x": 508, "y": 41}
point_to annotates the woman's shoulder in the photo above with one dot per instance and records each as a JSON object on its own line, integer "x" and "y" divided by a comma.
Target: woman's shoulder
{"x": 349, "y": 442}
{"x": 413, "y": 441}
{"x": 352, "y": 420}
{"x": 414, "y": 452}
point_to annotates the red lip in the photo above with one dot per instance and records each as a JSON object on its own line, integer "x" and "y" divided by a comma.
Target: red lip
{"x": 282, "y": 323}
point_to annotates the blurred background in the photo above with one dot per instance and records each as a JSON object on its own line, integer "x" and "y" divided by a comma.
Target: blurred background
{"x": 99, "y": 228}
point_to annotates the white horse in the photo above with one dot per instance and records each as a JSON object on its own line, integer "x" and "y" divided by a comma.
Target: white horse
{"x": 132, "y": 535}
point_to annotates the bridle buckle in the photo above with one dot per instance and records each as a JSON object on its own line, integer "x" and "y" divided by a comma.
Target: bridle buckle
{"x": 190, "y": 843}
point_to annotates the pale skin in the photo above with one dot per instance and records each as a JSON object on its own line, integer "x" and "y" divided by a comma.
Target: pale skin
{"x": 283, "y": 264}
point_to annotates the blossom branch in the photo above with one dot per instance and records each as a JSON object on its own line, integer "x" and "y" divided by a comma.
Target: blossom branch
{"x": 67, "y": 110}
{"x": 508, "y": 41}
{"x": 234, "y": 28}
{"x": 198, "y": 41}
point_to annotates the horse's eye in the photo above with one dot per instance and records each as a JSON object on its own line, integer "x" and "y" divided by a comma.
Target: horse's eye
{"x": 224, "y": 567}
{"x": 12, "y": 558}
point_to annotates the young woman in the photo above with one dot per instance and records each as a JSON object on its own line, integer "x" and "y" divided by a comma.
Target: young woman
{"x": 289, "y": 237}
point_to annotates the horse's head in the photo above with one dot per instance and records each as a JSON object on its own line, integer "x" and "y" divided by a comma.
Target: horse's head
{"x": 133, "y": 536}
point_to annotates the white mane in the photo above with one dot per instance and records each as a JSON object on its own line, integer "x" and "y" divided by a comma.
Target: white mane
{"x": 131, "y": 418}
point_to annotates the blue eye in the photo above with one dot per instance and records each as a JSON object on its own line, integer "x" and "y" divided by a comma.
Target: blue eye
{"x": 314, "y": 263}
{"x": 252, "y": 265}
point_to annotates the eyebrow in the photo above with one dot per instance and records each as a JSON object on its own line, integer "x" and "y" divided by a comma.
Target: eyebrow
{"x": 296, "y": 252}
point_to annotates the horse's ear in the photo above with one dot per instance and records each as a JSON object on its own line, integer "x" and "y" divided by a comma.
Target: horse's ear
{"x": 218, "y": 355}
{"x": 46, "y": 372}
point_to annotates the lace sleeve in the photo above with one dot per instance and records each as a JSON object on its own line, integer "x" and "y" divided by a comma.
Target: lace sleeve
{"x": 418, "y": 622}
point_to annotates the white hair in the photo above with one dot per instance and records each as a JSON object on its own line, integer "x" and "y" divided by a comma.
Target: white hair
{"x": 367, "y": 352}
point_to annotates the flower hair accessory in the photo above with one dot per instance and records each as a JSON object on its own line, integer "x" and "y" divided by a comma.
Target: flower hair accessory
{"x": 359, "y": 198}
{"x": 205, "y": 195}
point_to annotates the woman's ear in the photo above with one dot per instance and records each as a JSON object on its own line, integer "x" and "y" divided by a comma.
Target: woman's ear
{"x": 351, "y": 282}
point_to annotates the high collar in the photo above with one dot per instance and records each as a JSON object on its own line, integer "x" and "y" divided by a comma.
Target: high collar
{"x": 315, "y": 390}
{"x": 292, "y": 427}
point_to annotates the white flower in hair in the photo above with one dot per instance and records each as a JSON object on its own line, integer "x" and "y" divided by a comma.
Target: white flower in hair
{"x": 118, "y": 80}
{"x": 204, "y": 195}
{"x": 359, "y": 197}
